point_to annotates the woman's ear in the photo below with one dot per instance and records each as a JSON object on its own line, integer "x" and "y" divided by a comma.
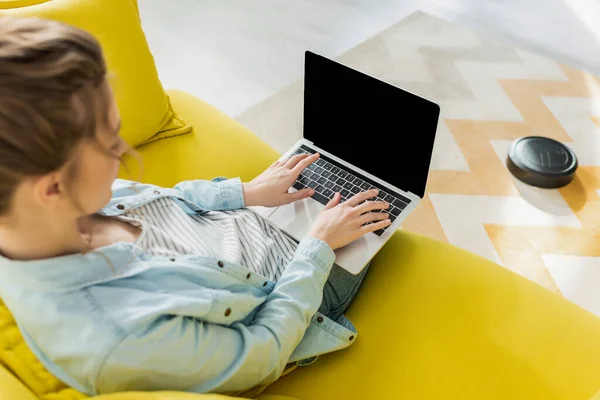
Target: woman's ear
{"x": 53, "y": 189}
{"x": 48, "y": 189}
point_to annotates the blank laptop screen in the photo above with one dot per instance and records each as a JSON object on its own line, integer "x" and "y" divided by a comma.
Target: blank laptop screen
{"x": 373, "y": 125}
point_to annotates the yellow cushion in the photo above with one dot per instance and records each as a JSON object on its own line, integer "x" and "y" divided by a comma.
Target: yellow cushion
{"x": 145, "y": 108}
{"x": 217, "y": 146}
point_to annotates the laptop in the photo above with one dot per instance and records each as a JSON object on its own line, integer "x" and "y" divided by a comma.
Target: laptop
{"x": 368, "y": 133}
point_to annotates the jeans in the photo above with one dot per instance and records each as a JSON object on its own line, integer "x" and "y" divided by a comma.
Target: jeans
{"x": 339, "y": 291}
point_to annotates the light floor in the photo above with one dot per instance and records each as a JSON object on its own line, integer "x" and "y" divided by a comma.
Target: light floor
{"x": 236, "y": 53}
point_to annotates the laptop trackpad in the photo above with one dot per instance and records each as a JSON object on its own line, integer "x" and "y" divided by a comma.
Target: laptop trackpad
{"x": 297, "y": 218}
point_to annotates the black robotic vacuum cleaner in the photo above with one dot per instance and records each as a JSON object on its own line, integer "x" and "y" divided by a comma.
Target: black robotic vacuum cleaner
{"x": 541, "y": 162}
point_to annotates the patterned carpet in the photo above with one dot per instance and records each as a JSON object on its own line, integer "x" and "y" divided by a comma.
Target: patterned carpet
{"x": 490, "y": 94}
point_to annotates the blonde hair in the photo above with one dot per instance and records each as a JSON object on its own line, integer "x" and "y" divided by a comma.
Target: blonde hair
{"x": 46, "y": 67}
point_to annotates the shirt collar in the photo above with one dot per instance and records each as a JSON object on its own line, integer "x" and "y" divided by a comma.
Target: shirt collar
{"x": 66, "y": 273}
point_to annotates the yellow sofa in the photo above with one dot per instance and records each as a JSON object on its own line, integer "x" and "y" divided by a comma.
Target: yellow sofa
{"x": 435, "y": 322}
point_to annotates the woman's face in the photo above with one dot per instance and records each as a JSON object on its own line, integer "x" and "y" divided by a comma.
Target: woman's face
{"x": 98, "y": 160}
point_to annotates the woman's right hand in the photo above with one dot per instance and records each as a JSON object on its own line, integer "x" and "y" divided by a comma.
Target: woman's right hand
{"x": 341, "y": 223}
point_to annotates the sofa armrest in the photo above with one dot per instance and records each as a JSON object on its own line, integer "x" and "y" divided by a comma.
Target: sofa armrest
{"x": 437, "y": 322}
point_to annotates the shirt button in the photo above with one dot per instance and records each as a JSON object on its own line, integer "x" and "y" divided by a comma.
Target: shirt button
{"x": 228, "y": 312}
{"x": 220, "y": 264}
{"x": 156, "y": 192}
{"x": 120, "y": 206}
{"x": 319, "y": 319}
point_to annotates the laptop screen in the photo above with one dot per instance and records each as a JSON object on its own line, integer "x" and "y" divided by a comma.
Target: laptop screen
{"x": 373, "y": 125}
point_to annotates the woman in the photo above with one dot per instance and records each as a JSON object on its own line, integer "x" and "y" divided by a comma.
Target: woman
{"x": 123, "y": 286}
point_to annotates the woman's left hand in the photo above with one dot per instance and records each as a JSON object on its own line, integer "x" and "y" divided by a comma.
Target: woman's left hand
{"x": 270, "y": 189}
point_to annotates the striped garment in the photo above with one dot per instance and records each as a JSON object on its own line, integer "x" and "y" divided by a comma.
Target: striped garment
{"x": 239, "y": 236}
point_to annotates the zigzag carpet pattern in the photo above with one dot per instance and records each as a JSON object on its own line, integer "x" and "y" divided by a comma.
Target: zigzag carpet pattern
{"x": 490, "y": 93}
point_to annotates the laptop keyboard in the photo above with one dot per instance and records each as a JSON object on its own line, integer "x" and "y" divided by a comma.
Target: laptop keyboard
{"x": 327, "y": 177}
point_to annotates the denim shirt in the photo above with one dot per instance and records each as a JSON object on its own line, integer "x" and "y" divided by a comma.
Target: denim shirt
{"x": 117, "y": 319}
